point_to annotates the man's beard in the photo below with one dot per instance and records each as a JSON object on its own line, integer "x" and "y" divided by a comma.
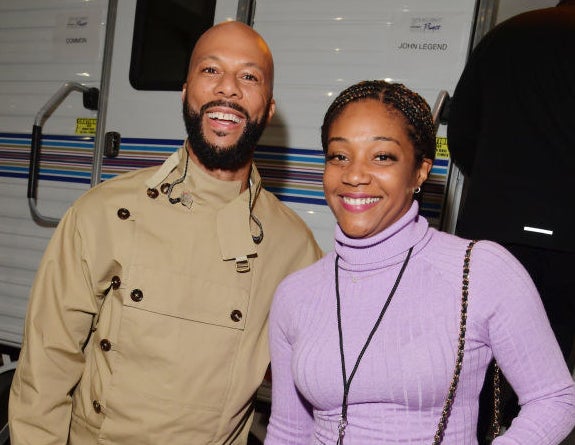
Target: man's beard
{"x": 231, "y": 157}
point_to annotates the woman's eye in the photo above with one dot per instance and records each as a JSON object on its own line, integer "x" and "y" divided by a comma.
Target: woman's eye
{"x": 382, "y": 157}
{"x": 335, "y": 157}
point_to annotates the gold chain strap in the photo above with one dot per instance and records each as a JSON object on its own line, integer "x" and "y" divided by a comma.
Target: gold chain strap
{"x": 460, "y": 347}
{"x": 496, "y": 423}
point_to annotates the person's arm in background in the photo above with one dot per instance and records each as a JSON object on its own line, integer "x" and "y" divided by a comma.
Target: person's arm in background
{"x": 524, "y": 346}
{"x": 58, "y": 323}
{"x": 464, "y": 120}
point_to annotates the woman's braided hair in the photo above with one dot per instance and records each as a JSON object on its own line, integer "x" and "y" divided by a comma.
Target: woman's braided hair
{"x": 397, "y": 97}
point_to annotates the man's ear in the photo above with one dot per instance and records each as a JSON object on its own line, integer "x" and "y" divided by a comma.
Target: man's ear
{"x": 184, "y": 89}
{"x": 271, "y": 111}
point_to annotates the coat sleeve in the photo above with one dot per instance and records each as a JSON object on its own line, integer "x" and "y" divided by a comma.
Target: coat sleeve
{"x": 58, "y": 323}
{"x": 464, "y": 121}
{"x": 291, "y": 420}
{"x": 526, "y": 350}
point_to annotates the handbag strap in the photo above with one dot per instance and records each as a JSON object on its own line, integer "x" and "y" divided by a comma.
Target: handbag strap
{"x": 496, "y": 421}
{"x": 437, "y": 439}
{"x": 495, "y": 425}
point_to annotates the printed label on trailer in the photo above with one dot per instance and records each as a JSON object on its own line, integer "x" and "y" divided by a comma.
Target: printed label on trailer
{"x": 86, "y": 125}
{"x": 441, "y": 150}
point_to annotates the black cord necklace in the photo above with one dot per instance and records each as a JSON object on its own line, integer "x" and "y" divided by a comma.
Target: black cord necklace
{"x": 178, "y": 181}
{"x": 256, "y": 238}
{"x": 347, "y": 382}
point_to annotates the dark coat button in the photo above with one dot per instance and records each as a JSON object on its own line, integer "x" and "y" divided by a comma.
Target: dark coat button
{"x": 97, "y": 406}
{"x": 164, "y": 188}
{"x": 116, "y": 282}
{"x": 136, "y": 295}
{"x": 153, "y": 193}
{"x": 105, "y": 345}
{"x": 236, "y": 315}
{"x": 123, "y": 213}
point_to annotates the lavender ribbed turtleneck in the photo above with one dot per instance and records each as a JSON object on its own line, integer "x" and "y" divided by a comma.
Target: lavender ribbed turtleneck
{"x": 397, "y": 394}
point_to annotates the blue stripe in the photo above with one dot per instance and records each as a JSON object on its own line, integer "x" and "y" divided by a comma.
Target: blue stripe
{"x": 438, "y": 170}
{"x": 64, "y": 172}
{"x": 59, "y": 178}
{"x": 79, "y": 144}
{"x": 156, "y": 148}
{"x": 144, "y": 141}
{"x": 287, "y": 156}
{"x": 48, "y": 137}
{"x": 284, "y": 190}
{"x": 13, "y": 141}
{"x": 16, "y": 169}
{"x": 14, "y": 175}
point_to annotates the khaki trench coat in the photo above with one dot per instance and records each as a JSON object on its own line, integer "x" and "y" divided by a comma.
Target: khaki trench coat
{"x": 147, "y": 322}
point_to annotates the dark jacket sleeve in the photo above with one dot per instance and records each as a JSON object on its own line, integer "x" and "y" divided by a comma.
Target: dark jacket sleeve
{"x": 464, "y": 119}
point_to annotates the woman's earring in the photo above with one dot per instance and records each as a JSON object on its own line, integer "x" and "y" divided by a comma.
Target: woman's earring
{"x": 416, "y": 190}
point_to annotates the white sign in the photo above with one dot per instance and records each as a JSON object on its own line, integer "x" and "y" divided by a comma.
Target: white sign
{"x": 429, "y": 46}
{"x": 77, "y": 36}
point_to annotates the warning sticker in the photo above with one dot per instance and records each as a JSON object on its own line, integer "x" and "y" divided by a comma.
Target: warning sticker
{"x": 86, "y": 125}
{"x": 441, "y": 150}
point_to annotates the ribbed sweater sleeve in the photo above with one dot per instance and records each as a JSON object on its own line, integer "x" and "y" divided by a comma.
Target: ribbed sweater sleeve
{"x": 522, "y": 341}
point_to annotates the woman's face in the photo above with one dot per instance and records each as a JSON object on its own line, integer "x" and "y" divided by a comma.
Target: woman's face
{"x": 370, "y": 171}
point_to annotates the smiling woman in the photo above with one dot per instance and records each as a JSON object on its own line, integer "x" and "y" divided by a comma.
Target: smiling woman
{"x": 383, "y": 310}
{"x": 379, "y": 143}
{"x": 371, "y": 171}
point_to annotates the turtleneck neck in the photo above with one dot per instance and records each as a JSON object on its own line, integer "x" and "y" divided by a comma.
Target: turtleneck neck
{"x": 386, "y": 248}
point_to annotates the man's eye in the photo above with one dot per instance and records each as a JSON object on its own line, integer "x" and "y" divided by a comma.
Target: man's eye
{"x": 209, "y": 70}
{"x": 250, "y": 77}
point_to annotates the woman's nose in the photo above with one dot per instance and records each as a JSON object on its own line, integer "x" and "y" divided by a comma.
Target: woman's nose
{"x": 356, "y": 173}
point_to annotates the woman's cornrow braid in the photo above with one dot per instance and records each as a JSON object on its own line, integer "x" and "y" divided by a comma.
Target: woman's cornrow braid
{"x": 417, "y": 112}
{"x": 396, "y": 95}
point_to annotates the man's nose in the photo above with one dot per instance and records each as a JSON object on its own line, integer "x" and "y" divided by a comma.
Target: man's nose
{"x": 228, "y": 86}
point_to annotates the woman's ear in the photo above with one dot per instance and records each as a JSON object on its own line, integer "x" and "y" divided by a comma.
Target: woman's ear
{"x": 423, "y": 171}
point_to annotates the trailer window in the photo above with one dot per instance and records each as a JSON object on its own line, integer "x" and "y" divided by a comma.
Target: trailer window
{"x": 165, "y": 32}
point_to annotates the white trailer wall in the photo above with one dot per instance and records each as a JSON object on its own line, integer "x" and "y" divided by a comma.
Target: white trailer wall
{"x": 43, "y": 43}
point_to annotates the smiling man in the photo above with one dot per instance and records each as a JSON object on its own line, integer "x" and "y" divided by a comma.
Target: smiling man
{"x": 227, "y": 99}
{"x": 147, "y": 321}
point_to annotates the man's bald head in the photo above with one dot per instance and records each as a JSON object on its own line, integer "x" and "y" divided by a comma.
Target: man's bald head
{"x": 237, "y": 37}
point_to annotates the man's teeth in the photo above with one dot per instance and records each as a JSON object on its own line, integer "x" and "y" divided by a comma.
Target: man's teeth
{"x": 224, "y": 117}
{"x": 359, "y": 201}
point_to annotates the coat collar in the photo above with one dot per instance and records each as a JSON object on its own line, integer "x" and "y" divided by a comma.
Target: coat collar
{"x": 225, "y": 197}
